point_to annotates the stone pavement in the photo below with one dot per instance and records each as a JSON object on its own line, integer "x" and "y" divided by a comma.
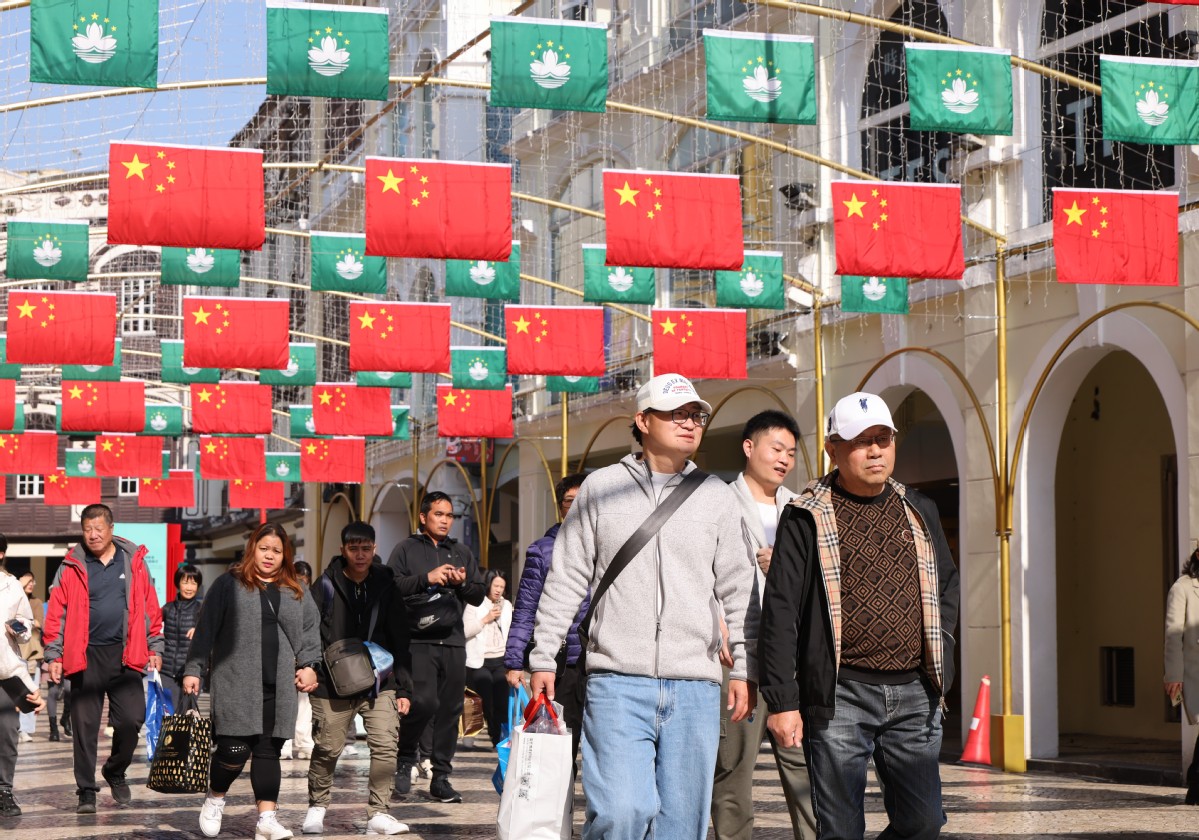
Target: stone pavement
{"x": 981, "y": 804}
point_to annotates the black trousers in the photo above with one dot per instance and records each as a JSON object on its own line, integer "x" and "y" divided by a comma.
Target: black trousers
{"x": 439, "y": 679}
{"x": 570, "y": 689}
{"x": 491, "y": 684}
{"x": 105, "y": 675}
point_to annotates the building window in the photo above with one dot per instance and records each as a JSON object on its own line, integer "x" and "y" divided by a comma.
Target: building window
{"x": 30, "y": 487}
{"x": 1117, "y": 667}
{"x": 137, "y": 299}
{"x": 127, "y": 487}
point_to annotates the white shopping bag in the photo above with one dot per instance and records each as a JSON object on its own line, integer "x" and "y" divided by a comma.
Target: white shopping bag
{"x": 536, "y": 803}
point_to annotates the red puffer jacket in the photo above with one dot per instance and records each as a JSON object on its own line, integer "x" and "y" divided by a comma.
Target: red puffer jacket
{"x": 67, "y": 640}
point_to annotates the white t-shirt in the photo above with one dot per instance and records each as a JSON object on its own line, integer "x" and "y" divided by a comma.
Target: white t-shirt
{"x": 770, "y": 521}
{"x": 659, "y": 481}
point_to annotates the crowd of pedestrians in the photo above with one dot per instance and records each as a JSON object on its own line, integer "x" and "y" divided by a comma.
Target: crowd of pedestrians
{"x": 678, "y": 619}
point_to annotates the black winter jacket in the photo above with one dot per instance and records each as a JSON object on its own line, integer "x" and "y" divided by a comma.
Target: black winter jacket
{"x": 435, "y": 612}
{"x": 178, "y": 618}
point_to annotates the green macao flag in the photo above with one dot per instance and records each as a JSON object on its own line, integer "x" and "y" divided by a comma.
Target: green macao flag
{"x": 216, "y": 267}
{"x": 112, "y": 43}
{"x": 543, "y": 63}
{"x": 164, "y": 420}
{"x": 879, "y": 295}
{"x": 80, "y": 463}
{"x": 96, "y": 373}
{"x": 174, "y": 371}
{"x": 301, "y": 424}
{"x": 7, "y": 370}
{"x": 18, "y": 420}
{"x": 755, "y": 77}
{"x": 572, "y": 384}
{"x": 300, "y": 370}
{"x": 485, "y": 279}
{"x": 1150, "y": 100}
{"x": 377, "y": 379}
{"x": 340, "y": 264}
{"x": 758, "y": 285}
{"x": 283, "y": 466}
{"x": 963, "y": 89}
{"x": 399, "y": 421}
{"x": 319, "y": 49}
{"x": 479, "y": 368}
{"x": 614, "y": 284}
{"x": 47, "y": 251}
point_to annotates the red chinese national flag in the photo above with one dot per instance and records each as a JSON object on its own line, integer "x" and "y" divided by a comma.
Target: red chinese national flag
{"x": 893, "y": 229}
{"x": 700, "y": 343}
{"x": 438, "y": 209}
{"x": 178, "y": 490}
{"x": 339, "y": 409}
{"x": 8, "y": 403}
{"x": 129, "y": 455}
{"x": 30, "y": 453}
{"x": 61, "y": 489}
{"x": 462, "y": 413}
{"x": 400, "y": 336}
{"x": 555, "y": 340}
{"x": 61, "y": 328}
{"x": 185, "y": 196}
{"x": 231, "y": 408}
{"x": 230, "y": 332}
{"x": 333, "y": 460}
{"x": 261, "y": 495}
{"x": 1128, "y": 237}
{"x": 104, "y": 406}
{"x": 673, "y": 220}
{"x": 233, "y": 457}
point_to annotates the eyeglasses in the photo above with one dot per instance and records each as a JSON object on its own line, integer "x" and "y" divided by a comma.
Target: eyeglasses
{"x": 682, "y": 415}
{"x": 883, "y": 440}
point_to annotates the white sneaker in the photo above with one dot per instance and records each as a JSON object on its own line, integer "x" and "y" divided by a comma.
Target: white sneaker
{"x": 268, "y": 828}
{"x": 385, "y": 824}
{"x": 211, "y": 814}
{"x": 349, "y": 751}
{"x": 426, "y": 769}
{"x": 24, "y": 737}
{"x": 314, "y": 822}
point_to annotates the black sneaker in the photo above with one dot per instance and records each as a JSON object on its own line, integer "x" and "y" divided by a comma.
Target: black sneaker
{"x": 87, "y": 802}
{"x": 8, "y": 805}
{"x": 443, "y": 791}
{"x": 403, "y": 782}
{"x": 120, "y": 788}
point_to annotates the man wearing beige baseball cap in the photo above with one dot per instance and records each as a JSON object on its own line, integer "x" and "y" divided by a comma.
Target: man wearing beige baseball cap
{"x": 856, "y": 647}
{"x": 659, "y": 543}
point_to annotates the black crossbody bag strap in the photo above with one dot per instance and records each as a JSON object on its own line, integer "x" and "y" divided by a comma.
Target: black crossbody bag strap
{"x": 633, "y": 545}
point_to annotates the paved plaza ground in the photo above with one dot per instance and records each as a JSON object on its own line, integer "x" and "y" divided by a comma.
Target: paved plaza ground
{"x": 981, "y": 804}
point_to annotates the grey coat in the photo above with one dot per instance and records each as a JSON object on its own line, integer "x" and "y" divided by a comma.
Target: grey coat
{"x": 229, "y": 633}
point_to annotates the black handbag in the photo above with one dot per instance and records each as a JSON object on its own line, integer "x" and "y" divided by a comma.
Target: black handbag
{"x": 184, "y": 751}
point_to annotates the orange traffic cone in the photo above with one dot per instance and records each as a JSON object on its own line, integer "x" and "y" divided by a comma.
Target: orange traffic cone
{"x": 978, "y": 742}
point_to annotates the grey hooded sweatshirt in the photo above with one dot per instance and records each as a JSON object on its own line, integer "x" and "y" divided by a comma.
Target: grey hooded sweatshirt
{"x": 661, "y": 617}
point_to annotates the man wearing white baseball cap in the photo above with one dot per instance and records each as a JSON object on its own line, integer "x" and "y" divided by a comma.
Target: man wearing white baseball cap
{"x": 856, "y": 647}
{"x": 659, "y": 543}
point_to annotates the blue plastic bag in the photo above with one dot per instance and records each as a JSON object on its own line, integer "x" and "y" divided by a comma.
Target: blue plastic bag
{"x": 158, "y": 706}
{"x": 518, "y": 699}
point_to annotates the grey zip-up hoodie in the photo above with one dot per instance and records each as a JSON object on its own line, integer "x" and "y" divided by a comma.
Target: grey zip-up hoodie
{"x": 661, "y": 616}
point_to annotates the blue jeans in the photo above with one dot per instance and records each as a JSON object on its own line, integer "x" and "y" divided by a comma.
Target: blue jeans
{"x": 649, "y": 752}
{"x": 900, "y": 726}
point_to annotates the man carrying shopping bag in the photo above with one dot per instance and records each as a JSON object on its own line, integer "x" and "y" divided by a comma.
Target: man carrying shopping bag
{"x": 535, "y": 804}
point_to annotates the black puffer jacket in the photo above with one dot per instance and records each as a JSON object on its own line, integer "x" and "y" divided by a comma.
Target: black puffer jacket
{"x": 179, "y": 618}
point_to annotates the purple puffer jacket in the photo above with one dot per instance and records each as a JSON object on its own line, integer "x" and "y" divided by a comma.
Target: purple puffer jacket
{"x": 528, "y": 594}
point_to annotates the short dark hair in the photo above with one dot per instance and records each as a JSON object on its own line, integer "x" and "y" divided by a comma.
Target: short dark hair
{"x": 96, "y": 511}
{"x": 303, "y": 569}
{"x": 188, "y": 571}
{"x": 764, "y": 421}
{"x": 430, "y": 499}
{"x": 636, "y": 433}
{"x": 566, "y": 484}
{"x": 1191, "y": 567}
{"x": 3, "y": 544}
{"x": 357, "y": 532}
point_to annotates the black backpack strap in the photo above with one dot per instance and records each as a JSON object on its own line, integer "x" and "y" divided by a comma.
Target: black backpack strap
{"x": 633, "y": 545}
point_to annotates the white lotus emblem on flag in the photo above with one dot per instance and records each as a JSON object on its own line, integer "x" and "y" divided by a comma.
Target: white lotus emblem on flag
{"x": 572, "y": 379}
{"x": 393, "y": 424}
{"x": 482, "y": 273}
{"x": 384, "y": 376}
{"x": 310, "y": 425}
{"x": 158, "y": 421}
{"x": 200, "y": 261}
{"x": 752, "y": 285}
{"x": 84, "y": 465}
{"x": 959, "y": 98}
{"x": 760, "y": 87}
{"x": 549, "y": 72}
{"x": 329, "y": 59}
{"x": 620, "y": 280}
{"x": 349, "y": 267}
{"x": 874, "y": 289}
{"x": 478, "y": 370}
{"x": 94, "y": 46}
{"x": 281, "y": 469}
{"x": 92, "y": 368}
{"x": 191, "y": 371}
{"x": 293, "y": 367}
{"x": 1152, "y": 110}
{"x": 47, "y": 254}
